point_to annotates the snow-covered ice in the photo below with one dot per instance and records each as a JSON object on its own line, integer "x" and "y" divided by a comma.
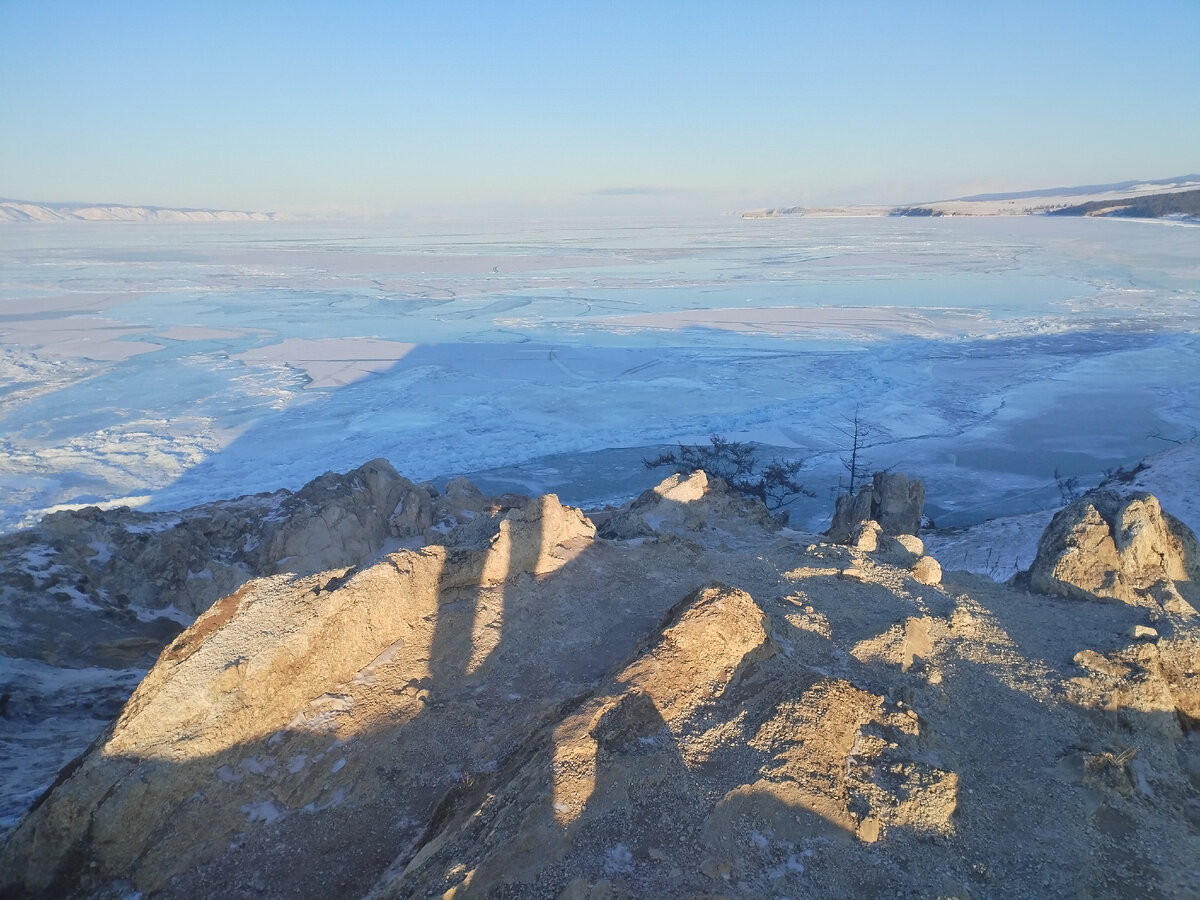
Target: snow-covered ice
{"x": 174, "y": 365}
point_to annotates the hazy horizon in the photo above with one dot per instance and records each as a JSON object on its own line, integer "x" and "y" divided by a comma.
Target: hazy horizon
{"x": 332, "y": 215}
{"x": 543, "y": 109}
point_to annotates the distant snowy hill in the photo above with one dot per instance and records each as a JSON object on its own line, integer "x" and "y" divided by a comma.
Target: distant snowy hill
{"x": 1180, "y": 182}
{"x": 30, "y": 211}
{"x": 1054, "y": 199}
{"x": 1016, "y": 203}
{"x": 1183, "y": 205}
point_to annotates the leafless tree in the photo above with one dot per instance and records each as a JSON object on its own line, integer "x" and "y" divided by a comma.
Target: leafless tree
{"x": 858, "y": 433}
{"x": 736, "y": 463}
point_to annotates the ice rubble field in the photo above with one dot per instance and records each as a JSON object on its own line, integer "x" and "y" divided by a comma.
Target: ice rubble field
{"x": 168, "y": 365}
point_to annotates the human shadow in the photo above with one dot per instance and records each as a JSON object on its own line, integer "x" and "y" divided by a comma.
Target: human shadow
{"x": 408, "y": 657}
{"x": 531, "y": 748}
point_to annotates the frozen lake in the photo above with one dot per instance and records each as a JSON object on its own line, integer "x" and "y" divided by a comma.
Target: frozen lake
{"x": 168, "y": 365}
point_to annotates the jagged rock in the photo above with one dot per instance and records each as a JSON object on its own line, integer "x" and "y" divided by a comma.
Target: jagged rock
{"x": 413, "y": 515}
{"x": 334, "y": 520}
{"x": 242, "y": 707}
{"x": 461, "y": 502}
{"x": 537, "y": 538}
{"x": 850, "y": 511}
{"x": 151, "y": 561}
{"x": 682, "y": 505}
{"x": 527, "y": 709}
{"x": 122, "y": 558}
{"x": 1121, "y": 547}
{"x": 892, "y": 500}
{"x": 105, "y": 590}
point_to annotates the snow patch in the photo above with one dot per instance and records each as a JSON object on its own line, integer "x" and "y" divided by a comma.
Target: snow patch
{"x": 266, "y": 811}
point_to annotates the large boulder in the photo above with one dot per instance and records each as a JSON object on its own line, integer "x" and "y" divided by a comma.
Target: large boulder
{"x": 892, "y": 499}
{"x": 1121, "y": 547}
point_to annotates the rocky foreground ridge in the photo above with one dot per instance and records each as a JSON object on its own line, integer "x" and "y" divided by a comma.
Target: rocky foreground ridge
{"x": 394, "y": 692}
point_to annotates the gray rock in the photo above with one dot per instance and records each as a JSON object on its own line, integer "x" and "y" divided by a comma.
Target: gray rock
{"x": 123, "y": 558}
{"x": 413, "y": 515}
{"x": 334, "y": 521}
{"x": 892, "y": 499}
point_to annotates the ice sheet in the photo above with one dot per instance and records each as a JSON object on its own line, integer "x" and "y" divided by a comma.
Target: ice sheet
{"x": 199, "y": 362}
{"x": 331, "y": 362}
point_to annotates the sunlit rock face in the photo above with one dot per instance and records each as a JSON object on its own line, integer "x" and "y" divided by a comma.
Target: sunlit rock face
{"x": 687, "y": 700}
{"x": 227, "y": 730}
{"x": 1122, "y": 547}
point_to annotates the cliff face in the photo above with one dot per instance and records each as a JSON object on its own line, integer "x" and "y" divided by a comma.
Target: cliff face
{"x": 684, "y": 700}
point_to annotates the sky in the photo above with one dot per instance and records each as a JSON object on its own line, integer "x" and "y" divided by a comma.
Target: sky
{"x": 576, "y": 107}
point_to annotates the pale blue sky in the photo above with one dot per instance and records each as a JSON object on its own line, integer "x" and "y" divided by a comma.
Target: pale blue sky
{"x": 550, "y": 107}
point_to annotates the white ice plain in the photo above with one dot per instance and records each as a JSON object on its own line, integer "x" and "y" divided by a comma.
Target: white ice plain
{"x": 168, "y": 365}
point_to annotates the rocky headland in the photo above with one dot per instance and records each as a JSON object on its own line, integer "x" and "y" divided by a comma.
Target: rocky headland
{"x": 370, "y": 687}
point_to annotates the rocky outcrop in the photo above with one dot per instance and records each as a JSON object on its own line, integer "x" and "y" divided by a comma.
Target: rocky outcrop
{"x": 334, "y": 520}
{"x": 702, "y": 704}
{"x": 1116, "y": 546}
{"x": 120, "y": 559}
{"x": 682, "y": 506}
{"x": 150, "y": 561}
{"x": 94, "y": 595}
{"x": 892, "y": 499}
{"x": 229, "y": 714}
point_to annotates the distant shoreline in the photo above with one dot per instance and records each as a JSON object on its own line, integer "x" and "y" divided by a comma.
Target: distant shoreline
{"x": 27, "y": 211}
{"x": 1166, "y": 198}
